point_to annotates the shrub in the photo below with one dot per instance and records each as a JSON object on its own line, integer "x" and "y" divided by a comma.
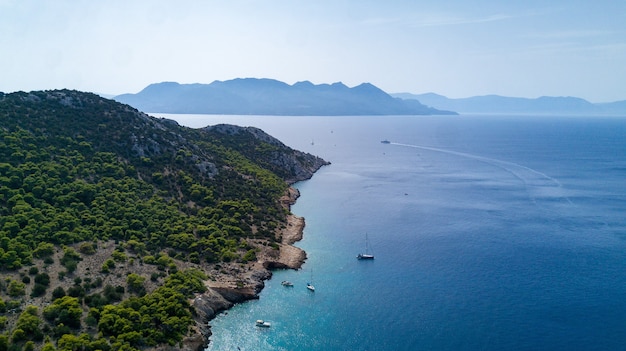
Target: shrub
{"x": 58, "y": 292}
{"x": 135, "y": 283}
{"x": 70, "y": 259}
{"x": 4, "y": 342}
{"x": 154, "y": 277}
{"x": 43, "y": 250}
{"x": 64, "y": 311}
{"x": 108, "y": 265}
{"x": 249, "y": 256}
{"x": 119, "y": 256}
{"x": 16, "y": 289}
{"x": 38, "y": 290}
{"x": 18, "y": 335}
{"x": 88, "y": 248}
{"x": 76, "y": 291}
{"x": 43, "y": 279}
{"x": 95, "y": 300}
{"x": 111, "y": 294}
{"x": 70, "y": 265}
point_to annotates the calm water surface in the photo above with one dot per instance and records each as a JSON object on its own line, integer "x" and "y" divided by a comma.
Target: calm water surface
{"x": 490, "y": 233}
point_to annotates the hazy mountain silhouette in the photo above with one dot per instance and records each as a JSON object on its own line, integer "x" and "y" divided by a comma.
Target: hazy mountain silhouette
{"x": 503, "y": 104}
{"x": 617, "y": 107}
{"x": 251, "y": 96}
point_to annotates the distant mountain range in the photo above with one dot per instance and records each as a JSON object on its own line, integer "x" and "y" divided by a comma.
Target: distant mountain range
{"x": 251, "y": 96}
{"x": 514, "y": 105}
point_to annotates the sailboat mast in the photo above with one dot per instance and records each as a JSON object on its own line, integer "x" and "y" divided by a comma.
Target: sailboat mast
{"x": 366, "y": 255}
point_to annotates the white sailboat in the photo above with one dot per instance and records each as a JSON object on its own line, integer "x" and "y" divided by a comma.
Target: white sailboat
{"x": 366, "y": 255}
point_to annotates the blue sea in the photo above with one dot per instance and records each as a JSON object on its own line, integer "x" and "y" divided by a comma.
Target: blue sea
{"x": 490, "y": 233}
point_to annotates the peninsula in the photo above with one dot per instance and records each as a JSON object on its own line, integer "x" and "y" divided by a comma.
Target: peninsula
{"x": 119, "y": 230}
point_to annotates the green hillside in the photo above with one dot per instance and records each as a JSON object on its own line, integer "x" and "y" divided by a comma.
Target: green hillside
{"x": 87, "y": 179}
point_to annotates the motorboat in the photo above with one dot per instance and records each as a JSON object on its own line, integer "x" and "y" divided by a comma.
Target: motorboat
{"x": 309, "y": 285}
{"x": 263, "y": 324}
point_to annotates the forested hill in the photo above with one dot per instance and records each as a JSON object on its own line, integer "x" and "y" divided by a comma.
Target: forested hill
{"x": 94, "y": 193}
{"x": 251, "y": 96}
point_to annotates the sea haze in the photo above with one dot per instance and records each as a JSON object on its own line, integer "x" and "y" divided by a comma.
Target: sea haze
{"x": 490, "y": 233}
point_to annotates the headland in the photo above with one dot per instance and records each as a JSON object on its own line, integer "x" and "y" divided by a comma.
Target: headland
{"x": 232, "y": 283}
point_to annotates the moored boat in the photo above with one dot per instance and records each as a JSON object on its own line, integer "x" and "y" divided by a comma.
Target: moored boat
{"x": 366, "y": 255}
{"x": 309, "y": 285}
{"x": 263, "y": 324}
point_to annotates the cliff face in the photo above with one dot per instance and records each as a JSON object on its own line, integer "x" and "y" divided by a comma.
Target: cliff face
{"x": 291, "y": 165}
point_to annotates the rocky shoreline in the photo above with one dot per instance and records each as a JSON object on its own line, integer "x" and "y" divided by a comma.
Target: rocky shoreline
{"x": 234, "y": 283}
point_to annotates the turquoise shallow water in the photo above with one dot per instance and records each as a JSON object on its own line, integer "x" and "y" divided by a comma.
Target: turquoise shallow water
{"x": 490, "y": 233}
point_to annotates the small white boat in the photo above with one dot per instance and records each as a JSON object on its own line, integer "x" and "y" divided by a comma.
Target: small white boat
{"x": 263, "y": 324}
{"x": 309, "y": 285}
{"x": 286, "y": 283}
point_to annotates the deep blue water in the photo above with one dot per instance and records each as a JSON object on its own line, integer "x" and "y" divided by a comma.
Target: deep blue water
{"x": 490, "y": 233}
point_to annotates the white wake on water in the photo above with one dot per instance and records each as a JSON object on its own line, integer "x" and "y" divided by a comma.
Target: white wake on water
{"x": 531, "y": 178}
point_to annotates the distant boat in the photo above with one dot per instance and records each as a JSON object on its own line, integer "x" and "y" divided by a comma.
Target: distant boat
{"x": 386, "y": 141}
{"x": 263, "y": 324}
{"x": 366, "y": 255}
{"x": 286, "y": 283}
{"x": 309, "y": 285}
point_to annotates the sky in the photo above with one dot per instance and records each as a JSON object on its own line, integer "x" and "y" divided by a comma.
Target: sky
{"x": 527, "y": 48}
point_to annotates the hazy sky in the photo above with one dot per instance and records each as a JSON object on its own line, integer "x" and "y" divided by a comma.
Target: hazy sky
{"x": 525, "y": 48}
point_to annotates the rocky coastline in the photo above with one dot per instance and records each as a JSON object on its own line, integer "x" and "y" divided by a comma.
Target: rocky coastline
{"x": 234, "y": 283}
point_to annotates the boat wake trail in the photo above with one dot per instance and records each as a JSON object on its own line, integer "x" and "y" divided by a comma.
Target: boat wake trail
{"x": 538, "y": 184}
